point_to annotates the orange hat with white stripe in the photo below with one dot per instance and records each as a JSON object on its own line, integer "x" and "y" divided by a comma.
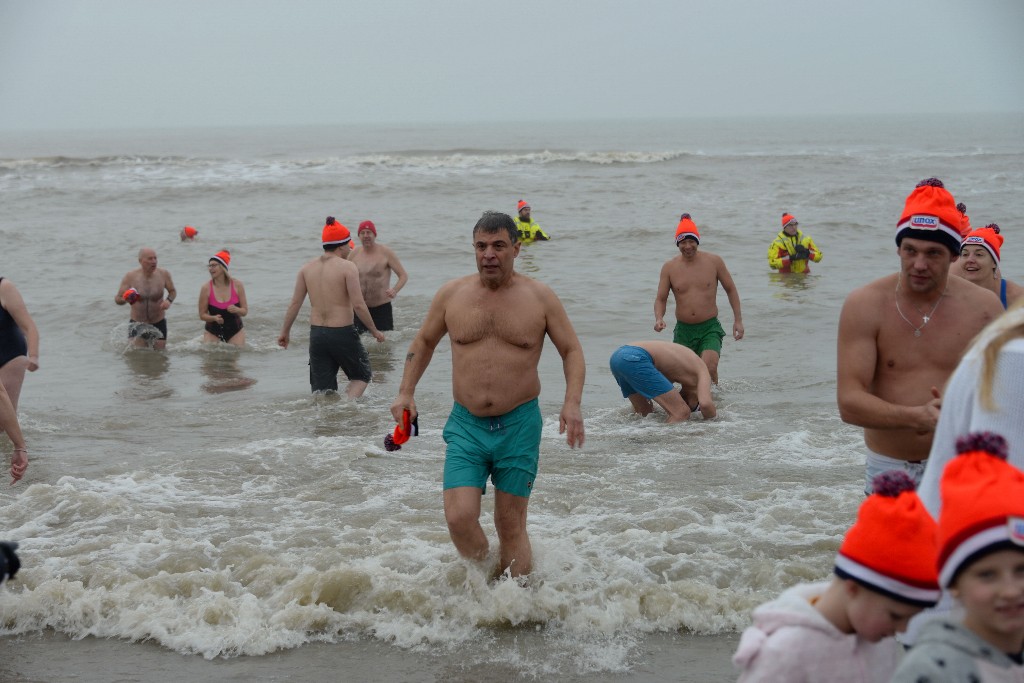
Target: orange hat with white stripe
{"x": 930, "y": 214}
{"x": 334, "y": 233}
{"x": 892, "y": 517}
{"x": 982, "y": 504}
{"x": 522, "y": 205}
{"x": 788, "y": 218}
{"x": 987, "y": 237}
{"x": 222, "y": 257}
{"x": 188, "y": 233}
{"x": 687, "y": 229}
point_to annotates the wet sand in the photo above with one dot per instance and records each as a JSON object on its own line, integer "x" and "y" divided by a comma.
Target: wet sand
{"x": 54, "y": 658}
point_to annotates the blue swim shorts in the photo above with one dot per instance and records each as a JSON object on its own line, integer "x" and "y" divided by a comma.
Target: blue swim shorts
{"x": 633, "y": 368}
{"x": 504, "y": 447}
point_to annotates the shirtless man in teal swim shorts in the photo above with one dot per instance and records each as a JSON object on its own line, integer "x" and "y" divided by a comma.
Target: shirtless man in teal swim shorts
{"x": 693, "y": 277}
{"x": 496, "y": 321}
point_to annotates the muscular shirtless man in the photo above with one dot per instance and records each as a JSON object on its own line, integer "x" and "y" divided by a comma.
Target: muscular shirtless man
{"x": 496, "y": 320}
{"x": 901, "y": 336}
{"x": 146, "y": 298}
{"x": 376, "y": 262}
{"x": 334, "y": 296}
{"x": 693, "y": 277}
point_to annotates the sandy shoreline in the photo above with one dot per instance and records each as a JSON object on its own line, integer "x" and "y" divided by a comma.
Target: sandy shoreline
{"x": 53, "y": 658}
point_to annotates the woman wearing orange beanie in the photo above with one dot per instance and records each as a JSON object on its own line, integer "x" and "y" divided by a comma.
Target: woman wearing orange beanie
{"x": 979, "y": 263}
{"x": 222, "y": 303}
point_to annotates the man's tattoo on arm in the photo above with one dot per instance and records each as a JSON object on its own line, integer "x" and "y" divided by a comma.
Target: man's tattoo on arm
{"x": 409, "y": 357}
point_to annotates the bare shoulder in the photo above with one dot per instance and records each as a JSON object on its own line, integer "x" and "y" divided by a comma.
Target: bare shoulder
{"x": 972, "y": 295}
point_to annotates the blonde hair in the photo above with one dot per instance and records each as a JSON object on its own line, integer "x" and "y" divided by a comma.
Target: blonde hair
{"x": 1005, "y": 328}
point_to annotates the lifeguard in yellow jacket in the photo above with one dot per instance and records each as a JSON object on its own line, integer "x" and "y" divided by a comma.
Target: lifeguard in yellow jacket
{"x": 529, "y": 231}
{"x": 792, "y": 251}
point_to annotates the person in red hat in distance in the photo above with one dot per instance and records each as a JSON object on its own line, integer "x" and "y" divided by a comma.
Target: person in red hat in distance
{"x": 693, "y": 278}
{"x": 376, "y": 262}
{"x": 901, "y": 336}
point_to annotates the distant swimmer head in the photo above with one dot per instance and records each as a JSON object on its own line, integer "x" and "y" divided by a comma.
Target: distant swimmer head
{"x": 188, "y": 233}
{"x": 334, "y": 234}
{"x": 522, "y": 205}
{"x": 930, "y": 214}
{"x": 223, "y": 257}
{"x": 787, "y": 219}
{"x": 687, "y": 229}
{"x": 368, "y": 225}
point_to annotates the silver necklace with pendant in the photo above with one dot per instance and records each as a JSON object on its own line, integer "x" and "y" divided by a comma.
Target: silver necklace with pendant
{"x": 926, "y": 318}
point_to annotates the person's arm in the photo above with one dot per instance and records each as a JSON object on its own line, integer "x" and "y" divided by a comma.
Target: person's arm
{"x": 775, "y": 261}
{"x": 707, "y": 402}
{"x": 857, "y": 355}
{"x": 14, "y": 304}
{"x": 563, "y": 336}
{"x": 816, "y": 254}
{"x": 540, "y": 235}
{"x": 661, "y": 299}
{"x": 396, "y": 267}
{"x": 734, "y": 299}
{"x": 355, "y": 295}
{"x": 122, "y": 288}
{"x": 172, "y": 293}
{"x": 242, "y": 309}
{"x": 298, "y": 297}
{"x": 417, "y": 358}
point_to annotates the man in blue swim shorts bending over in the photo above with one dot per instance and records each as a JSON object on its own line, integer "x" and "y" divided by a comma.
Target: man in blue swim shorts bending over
{"x": 496, "y": 321}
{"x": 646, "y": 370}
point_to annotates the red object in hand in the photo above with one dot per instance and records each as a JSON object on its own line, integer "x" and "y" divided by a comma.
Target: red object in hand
{"x": 131, "y": 295}
{"x": 393, "y": 442}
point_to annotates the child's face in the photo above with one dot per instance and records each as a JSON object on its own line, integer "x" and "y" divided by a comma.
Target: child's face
{"x": 874, "y": 616}
{"x": 991, "y": 591}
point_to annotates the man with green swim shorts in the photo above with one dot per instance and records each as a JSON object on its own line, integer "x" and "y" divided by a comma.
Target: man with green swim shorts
{"x": 496, "y": 320}
{"x": 693, "y": 277}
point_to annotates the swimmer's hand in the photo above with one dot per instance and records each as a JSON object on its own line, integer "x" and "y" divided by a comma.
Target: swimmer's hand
{"x": 33, "y": 363}
{"x": 737, "y": 331}
{"x": 391, "y": 293}
{"x": 19, "y": 463}
{"x": 378, "y": 335}
{"x": 219, "y": 319}
{"x": 570, "y": 423}
{"x": 402, "y": 404}
{"x": 131, "y": 295}
{"x": 659, "y": 325}
{"x": 932, "y": 409}
{"x": 282, "y": 340}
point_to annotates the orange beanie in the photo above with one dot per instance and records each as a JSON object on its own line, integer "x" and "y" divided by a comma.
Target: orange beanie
{"x": 788, "y": 218}
{"x": 965, "y": 220}
{"x": 987, "y": 237}
{"x": 687, "y": 228}
{"x": 930, "y": 213}
{"x": 188, "y": 232}
{"x": 982, "y": 504}
{"x": 334, "y": 233}
{"x": 522, "y": 205}
{"x": 222, "y": 257}
{"x": 892, "y": 517}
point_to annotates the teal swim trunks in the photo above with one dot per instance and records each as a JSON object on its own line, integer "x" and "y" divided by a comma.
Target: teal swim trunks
{"x": 700, "y": 337}
{"x": 504, "y": 447}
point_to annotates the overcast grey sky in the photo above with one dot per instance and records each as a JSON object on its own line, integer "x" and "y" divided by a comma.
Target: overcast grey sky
{"x": 159, "y": 63}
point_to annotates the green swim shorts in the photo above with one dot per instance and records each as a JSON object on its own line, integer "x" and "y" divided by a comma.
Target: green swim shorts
{"x": 700, "y": 337}
{"x": 504, "y": 447}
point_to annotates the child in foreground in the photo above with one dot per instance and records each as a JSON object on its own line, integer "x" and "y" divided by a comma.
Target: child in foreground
{"x": 981, "y": 564}
{"x": 841, "y": 631}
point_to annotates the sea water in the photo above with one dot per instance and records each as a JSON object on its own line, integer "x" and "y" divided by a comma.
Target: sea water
{"x": 203, "y": 500}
